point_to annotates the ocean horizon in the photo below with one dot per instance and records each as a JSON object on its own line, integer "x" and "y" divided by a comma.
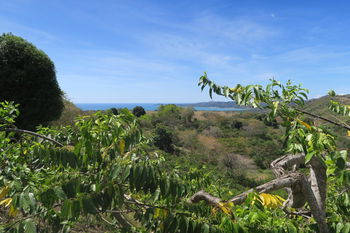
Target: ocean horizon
{"x": 146, "y": 106}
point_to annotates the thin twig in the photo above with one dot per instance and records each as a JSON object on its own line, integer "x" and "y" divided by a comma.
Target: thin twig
{"x": 324, "y": 119}
{"x": 343, "y": 191}
{"x": 120, "y": 211}
{"x": 299, "y": 213}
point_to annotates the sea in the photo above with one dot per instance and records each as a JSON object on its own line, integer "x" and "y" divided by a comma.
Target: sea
{"x": 146, "y": 106}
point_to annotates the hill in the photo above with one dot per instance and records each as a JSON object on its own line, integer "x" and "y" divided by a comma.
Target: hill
{"x": 69, "y": 114}
{"x": 214, "y": 104}
{"x": 320, "y": 105}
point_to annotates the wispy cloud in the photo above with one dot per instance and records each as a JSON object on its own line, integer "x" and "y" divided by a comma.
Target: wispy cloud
{"x": 121, "y": 53}
{"x": 30, "y": 33}
{"x": 239, "y": 29}
{"x": 210, "y": 42}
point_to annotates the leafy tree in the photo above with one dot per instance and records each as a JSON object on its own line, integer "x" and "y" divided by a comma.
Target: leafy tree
{"x": 164, "y": 138}
{"x": 309, "y": 145}
{"x": 101, "y": 172}
{"x": 168, "y": 114}
{"x": 138, "y": 111}
{"x": 27, "y": 77}
{"x": 114, "y": 111}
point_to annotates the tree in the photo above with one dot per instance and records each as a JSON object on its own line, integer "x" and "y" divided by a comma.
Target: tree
{"x": 138, "y": 111}
{"x": 101, "y": 173}
{"x": 307, "y": 144}
{"x": 28, "y": 77}
{"x": 169, "y": 114}
{"x": 114, "y": 111}
{"x": 164, "y": 138}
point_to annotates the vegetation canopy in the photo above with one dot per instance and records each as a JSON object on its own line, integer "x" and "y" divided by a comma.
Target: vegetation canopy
{"x": 138, "y": 111}
{"x": 28, "y": 78}
{"x": 103, "y": 174}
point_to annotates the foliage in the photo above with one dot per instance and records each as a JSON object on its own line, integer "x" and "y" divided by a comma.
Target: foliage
{"x": 69, "y": 114}
{"x": 108, "y": 175}
{"x": 138, "y": 111}
{"x": 114, "y": 111}
{"x": 103, "y": 172}
{"x": 282, "y": 101}
{"x": 286, "y": 103}
{"x": 164, "y": 138}
{"x": 95, "y": 176}
{"x": 27, "y": 77}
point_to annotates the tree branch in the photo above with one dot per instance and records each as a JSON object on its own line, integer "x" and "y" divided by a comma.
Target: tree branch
{"x": 31, "y": 133}
{"x": 279, "y": 183}
{"x": 324, "y": 119}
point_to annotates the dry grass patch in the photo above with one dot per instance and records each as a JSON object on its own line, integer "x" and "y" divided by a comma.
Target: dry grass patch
{"x": 209, "y": 142}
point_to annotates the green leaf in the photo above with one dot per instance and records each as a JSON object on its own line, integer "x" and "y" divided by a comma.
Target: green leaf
{"x": 66, "y": 210}
{"x": 29, "y": 226}
{"x": 24, "y": 202}
{"x": 126, "y": 173}
{"x": 114, "y": 173}
{"x": 338, "y": 227}
{"x": 60, "y": 193}
{"x": 309, "y": 156}
{"x": 88, "y": 206}
{"x": 205, "y": 228}
{"x": 184, "y": 223}
{"x": 76, "y": 209}
{"x": 331, "y": 93}
{"x": 47, "y": 198}
{"x": 346, "y": 228}
{"x": 291, "y": 228}
{"x": 340, "y": 163}
{"x": 156, "y": 195}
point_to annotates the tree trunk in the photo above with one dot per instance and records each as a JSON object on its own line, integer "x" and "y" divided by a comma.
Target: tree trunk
{"x": 300, "y": 188}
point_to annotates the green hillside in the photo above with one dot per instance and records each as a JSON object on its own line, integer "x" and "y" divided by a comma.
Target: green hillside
{"x": 69, "y": 114}
{"x": 320, "y": 105}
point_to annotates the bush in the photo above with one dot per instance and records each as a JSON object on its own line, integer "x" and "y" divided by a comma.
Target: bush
{"x": 164, "y": 138}
{"x": 28, "y": 77}
{"x": 138, "y": 111}
{"x": 231, "y": 123}
{"x": 114, "y": 111}
{"x": 169, "y": 115}
{"x": 187, "y": 115}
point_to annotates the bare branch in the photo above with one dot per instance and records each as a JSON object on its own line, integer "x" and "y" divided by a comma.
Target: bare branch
{"x": 287, "y": 181}
{"x": 280, "y": 165}
{"x": 279, "y": 183}
{"x": 204, "y": 196}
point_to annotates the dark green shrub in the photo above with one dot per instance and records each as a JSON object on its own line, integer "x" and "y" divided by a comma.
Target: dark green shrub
{"x": 230, "y": 123}
{"x": 239, "y": 177}
{"x": 114, "y": 111}
{"x": 138, "y": 111}
{"x": 164, "y": 138}
{"x": 28, "y": 77}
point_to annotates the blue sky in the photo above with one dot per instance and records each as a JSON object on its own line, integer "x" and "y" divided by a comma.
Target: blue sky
{"x": 155, "y": 51}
